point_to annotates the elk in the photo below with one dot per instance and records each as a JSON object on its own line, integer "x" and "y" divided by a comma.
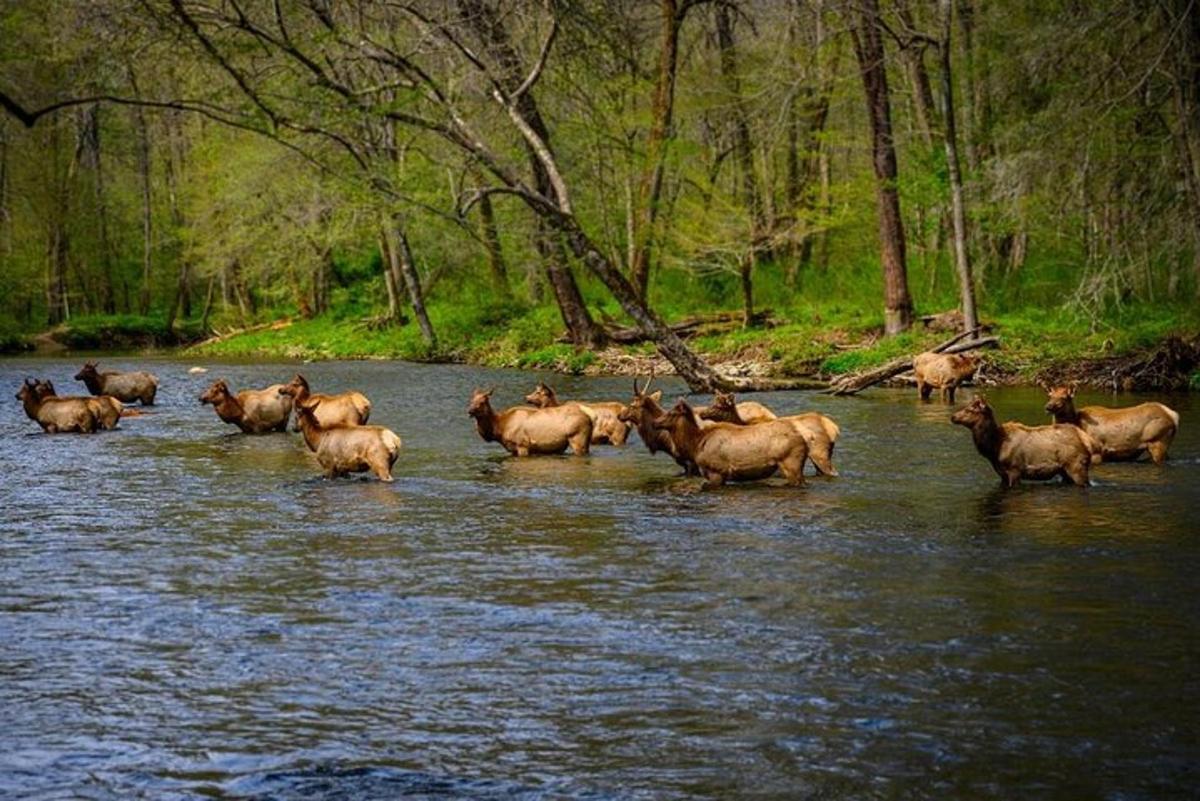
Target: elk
{"x": 820, "y": 432}
{"x": 254, "y": 411}
{"x": 57, "y": 415}
{"x": 943, "y": 372}
{"x": 1018, "y": 451}
{"x": 747, "y": 411}
{"x": 607, "y": 427}
{"x": 1125, "y": 434}
{"x": 347, "y": 408}
{"x": 107, "y": 409}
{"x": 525, "y": 431}
{"x": 125, "y": 387}
{"x": 727, "y": 452}
{"x": 343, "y": 449}
{"x": 641, "y": 412}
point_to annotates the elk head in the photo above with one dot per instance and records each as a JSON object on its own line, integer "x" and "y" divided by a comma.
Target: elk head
{"x": 542, "y": 396}
{"x": 636, "y": 408}
{"x": 28, "y": 390}
{"x": 87, "y": 371}
{"x": 722, "y": 410}
{"x": 296, "y": 387}
{"x": 1061, "y": 399}
{"x": 481, "y": 403}
{"x": 215, "y": 393}
{"x": 974, "y": 413}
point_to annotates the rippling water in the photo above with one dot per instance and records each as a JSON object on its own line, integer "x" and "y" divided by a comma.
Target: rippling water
{"x": 188, "y": 611}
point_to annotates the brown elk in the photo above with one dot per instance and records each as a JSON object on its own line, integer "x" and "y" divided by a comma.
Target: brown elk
{"x": 57, "y": 415}
{"x": 1125, "y": 434}
{"x": 254, "y": 411}
{"x": 1018, "y": 451}
{"x": 820, "y": 432}
{"x": 641, "y": 412}
{"x": 607, "y": 427}
{"x": 727, "y": 452}
{"x": 125, "y": 387}
{"x": 107, "y": 409}
{"x": 943, "y": 372}
{"x": 747, "y": 411}
{"x": 344, "y": 449}
{"x": 347, "y": 408}
{"x": 526, "y": 431}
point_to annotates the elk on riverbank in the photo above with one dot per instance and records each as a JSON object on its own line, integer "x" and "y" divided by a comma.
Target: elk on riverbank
{"x": 125, "y": 387}
{"x": 727, "y": 452}
{"x": 819, "y": 431}
{"x": 344, "y": 449}
{"x": 1018, "y": 451}
{"x": 254, "y": 411}
{"x": 526, "y": 431}
{"x": 1124, "y": 434}
{"x": 943, "y": 372}
{"x": 607, "y": 427}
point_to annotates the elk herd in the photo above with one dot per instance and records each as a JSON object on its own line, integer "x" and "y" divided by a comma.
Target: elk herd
{"x": 722, "y": 442}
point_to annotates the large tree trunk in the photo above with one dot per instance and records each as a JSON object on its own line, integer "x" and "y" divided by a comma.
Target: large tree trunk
{"x": 868, "y": 47}
{"x": 1185, "y": 17}
{"x": 962, "y": 261}
{"x": 181, "y": 301}
{"x": 58, "y": 306}
{"x": 657, "y": 142}
{"x": 93, "y": 159}
{"x": 391, "y": 275}
{"x": 491, "y": 243}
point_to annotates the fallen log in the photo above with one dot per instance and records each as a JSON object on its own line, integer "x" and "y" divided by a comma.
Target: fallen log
{"x": 856, "y": 382}
{"x": 716, "y": 323}
{"x": 274, "y": 325}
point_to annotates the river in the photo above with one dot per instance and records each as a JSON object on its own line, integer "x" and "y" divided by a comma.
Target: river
{"x": 186, "y": 611}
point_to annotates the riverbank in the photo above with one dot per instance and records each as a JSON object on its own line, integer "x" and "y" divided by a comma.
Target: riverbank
{"x": 1140, "y": 350}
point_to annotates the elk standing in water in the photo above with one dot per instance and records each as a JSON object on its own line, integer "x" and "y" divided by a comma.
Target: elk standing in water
{"x": 820, "y": 432}
{"x": 642, "y": 411}
{"x": 728, "y": 452}
{"x": 347, "y": 408}
{"x": 1125, "y": 434}
{"x": 254, "y": 411}
{"x": 607, "y": 427}
{"x": 942, "y": 371}
{"x": 525, "y": 431}
{"x": 57, "y": 415}
{"x": 125, "y": 387}
{"x": 107, "y": 409}
{"x": 343, "y": 449}
{"x": 1018, "y": 451}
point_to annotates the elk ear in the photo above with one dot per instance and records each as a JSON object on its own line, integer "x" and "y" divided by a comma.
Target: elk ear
{"x": 656, "y": 396}
{"x": 1071, "y": 389}
{"x": 30, "y": 382}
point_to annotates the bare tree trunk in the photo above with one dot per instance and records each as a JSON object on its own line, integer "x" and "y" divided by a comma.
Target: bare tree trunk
{"x": 208, "y": 302}
{"x": 412, "y": 281}
{"x": 93, "y": 158}
{"x": 966, "y": 281}
{"x": 182, "y": 299}
{"x": 1185, "y": 17}
{"x": 868, "y": 47}
{"x": 495, "y": 252}
{"x": 58, "y": 306}
{"x": 391, "y": 275}
{"x": 743, "y": 150}
{"x": 657, "y": 143}
{"x": 143, "y": 160}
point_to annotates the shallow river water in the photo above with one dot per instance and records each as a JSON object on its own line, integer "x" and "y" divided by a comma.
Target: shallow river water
{"x": 187, "y": 611}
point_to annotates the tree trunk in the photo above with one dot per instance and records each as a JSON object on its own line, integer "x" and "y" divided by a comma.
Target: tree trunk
{"x": 868, "y": 47}
{"x": 143, "y": 160}
{"x": 391, "y": 275}
{"x": 657, "y": 143}
{"x": 962, "y": 261}
{"x": 182, "y": 299}
{"x": 924, "y": 110}
{"x": 58, "y": 308}
{"x": 412, "y": 281}
{"x": 1185, "y": 18}
{"x": 743, "y": 150}
{"x": 93, "y": 158}
{"x": 491, "y": 243}
{"x": 208, "y": 302}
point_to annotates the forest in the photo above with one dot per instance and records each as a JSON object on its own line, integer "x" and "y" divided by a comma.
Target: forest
{"x": 793, "y": 183}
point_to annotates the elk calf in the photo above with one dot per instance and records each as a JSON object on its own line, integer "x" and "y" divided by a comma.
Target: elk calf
{"x": 820, "y": 432}
{"x": 1019, "y": 451}
{"x": 254, "y": 411}
{"x": 344, "y": 449}
{"x": 942, "y": 371}
{"x": 57, "y": 415}
{"x": 525, "y": 431}
{"x": 344, "y": 409}
{"x": 1125, "y": 434}
{"x": 727, "y": 452}
{"x": 607, "y": 426}
{"x": 125, "y": 387}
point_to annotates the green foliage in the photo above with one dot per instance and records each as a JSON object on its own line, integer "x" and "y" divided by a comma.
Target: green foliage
{"x": 122, "y": 331}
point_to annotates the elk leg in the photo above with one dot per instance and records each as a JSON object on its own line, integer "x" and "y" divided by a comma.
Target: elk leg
{"x": 819, "y": 456}
{"x": 580, "y": 444}
{"x": 1158, "y": 451}
{"x": 712, "y": 480}
{"x": 521, "y": 450}
{"x": 793, "y": 470}
{"x": 924, "y": 389}
{"x": 950, "y": 391}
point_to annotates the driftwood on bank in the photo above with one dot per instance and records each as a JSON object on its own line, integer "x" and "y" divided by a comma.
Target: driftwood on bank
{"x": 221, "y": 336}
{"x": 856, "y": 382}
{"x": 702, "y": 324}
